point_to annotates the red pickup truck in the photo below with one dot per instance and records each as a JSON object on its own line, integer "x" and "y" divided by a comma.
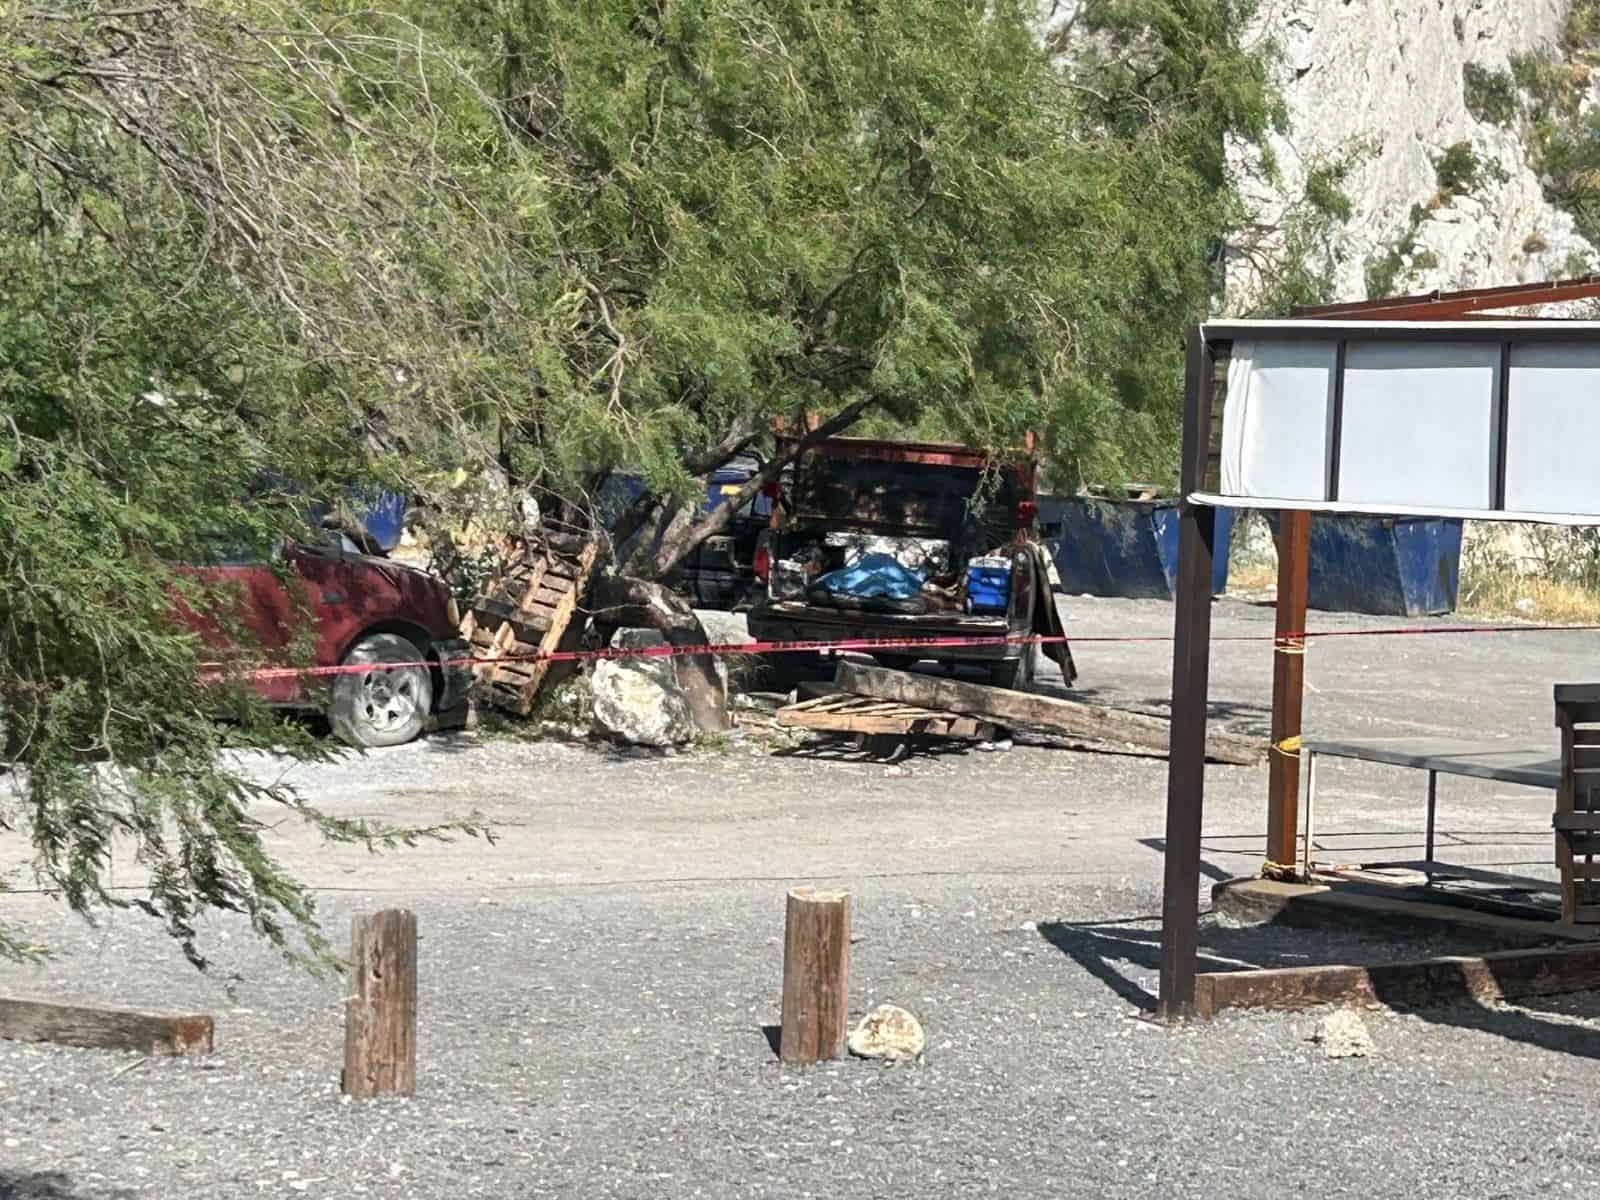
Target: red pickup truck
{"x": 359, "y": 610}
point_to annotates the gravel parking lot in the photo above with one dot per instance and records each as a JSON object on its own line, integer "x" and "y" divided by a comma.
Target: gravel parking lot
{"x": 596, "y": 987}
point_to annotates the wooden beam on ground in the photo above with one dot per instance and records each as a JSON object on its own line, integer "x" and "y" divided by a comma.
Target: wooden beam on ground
{"x": 1091, "y": 722}
{"x": 1505, "y": 975}
{"x": 816, "y": 976}
{"x": 1288, "y": 694}
{"x": 98, "y": 1028}
{"x": 380, "y": 1023}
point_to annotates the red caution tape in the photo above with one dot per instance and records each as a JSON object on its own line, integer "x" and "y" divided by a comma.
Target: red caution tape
{"x": 1290, "y": 641}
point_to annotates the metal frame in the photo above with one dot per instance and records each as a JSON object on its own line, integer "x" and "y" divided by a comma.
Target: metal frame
{"x": 1192, "y": 608}
{"x": 1191, "y": 666}
{"x": 1311, "y": 799}
{"x": 1436, "y": 304}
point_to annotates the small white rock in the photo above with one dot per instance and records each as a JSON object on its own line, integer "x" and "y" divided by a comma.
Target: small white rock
{"x": 1343, "y": 1034}
{"x": 888, "y": 1032}
{"x": 1526, "y": 606}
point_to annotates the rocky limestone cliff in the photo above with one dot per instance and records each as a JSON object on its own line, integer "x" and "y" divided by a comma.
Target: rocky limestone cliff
{"x": 1381, "y": 85}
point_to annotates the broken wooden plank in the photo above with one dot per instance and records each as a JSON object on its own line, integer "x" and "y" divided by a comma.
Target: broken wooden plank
{"x": 98, "y": 1028}
{"x": 1071, "y": 717}
{"x": 1504, "y": 975}
{"x": 853, "y": 714}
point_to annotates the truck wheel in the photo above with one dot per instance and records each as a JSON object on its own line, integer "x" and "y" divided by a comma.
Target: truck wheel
{"x": 1016, "y": 675}
{"x": 385, "y": 706}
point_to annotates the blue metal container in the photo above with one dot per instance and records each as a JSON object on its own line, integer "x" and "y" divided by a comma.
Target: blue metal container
{"x": 384, "y": 516}
{"x": 1391, "y": 566}
{"x": 727, "y": 482}
{"x": 988, "y": 585}
{"x": 1123, "y": 547}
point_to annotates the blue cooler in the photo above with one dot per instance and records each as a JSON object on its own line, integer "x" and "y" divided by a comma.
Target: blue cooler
{"x": 988, "y": 585}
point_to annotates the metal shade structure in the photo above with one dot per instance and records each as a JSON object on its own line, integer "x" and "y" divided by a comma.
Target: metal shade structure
{"x": 1488, "y": 419}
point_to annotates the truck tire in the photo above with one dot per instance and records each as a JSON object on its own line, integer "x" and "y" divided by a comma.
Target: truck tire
{"x": 387, "y": 706}
{"x": 1015, "y": 674}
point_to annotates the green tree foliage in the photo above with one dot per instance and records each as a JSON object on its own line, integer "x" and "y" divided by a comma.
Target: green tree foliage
{"x": 1560, "y": 130}
{"x": 1458, "y": 170}
{"x": 414, "y": 239}
{"x": 1292, "y": 262}
{"x": 1490, "y": 95}
{"x": 141, "y": 398}
{"x": 571, "y": 235}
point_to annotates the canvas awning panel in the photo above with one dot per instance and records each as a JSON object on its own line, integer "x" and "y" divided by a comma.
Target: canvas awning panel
{"x": 1487, "y": 419}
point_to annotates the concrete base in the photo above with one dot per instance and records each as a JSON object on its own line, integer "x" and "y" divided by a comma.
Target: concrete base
{"x": 1429, "y": 982}
{"x": 1532, "y": 957}
{"x": 1316, "y": 905}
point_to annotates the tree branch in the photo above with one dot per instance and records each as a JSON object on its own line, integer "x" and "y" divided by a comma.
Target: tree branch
{"x": 677, "y": 548}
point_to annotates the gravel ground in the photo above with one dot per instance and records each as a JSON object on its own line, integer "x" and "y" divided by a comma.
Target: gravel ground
{"x": 596, "y": 988}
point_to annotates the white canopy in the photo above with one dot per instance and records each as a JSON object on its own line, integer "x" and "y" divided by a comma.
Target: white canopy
{"x": 1495, "y": 420}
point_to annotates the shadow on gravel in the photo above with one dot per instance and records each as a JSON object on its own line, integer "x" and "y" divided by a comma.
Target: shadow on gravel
{"x": 773, "y": 1034}
{"x": 1098, "y": 948}
{"x": 1562, "y": 1024}
{"x": 49, "y": 1185}
{"x": 1209, "y": 869}
{"x": 845, "y": 749}
{"x": 1234, "y": 716}
{"x": 1126, "y": 955}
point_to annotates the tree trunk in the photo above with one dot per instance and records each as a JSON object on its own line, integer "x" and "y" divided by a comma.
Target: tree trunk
{"x": 623, "y": 601}
{"x": 665, "y": 534}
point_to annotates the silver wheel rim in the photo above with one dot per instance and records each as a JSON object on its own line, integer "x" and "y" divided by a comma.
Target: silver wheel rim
{"x": 389, "y": 699}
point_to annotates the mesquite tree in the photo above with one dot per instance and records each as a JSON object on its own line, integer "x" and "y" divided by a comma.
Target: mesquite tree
{"x": 413, "y": 239}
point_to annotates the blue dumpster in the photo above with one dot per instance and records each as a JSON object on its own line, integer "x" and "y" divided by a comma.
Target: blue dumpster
{"x": 1390, "y": 566}
{"x": 381, "y": 514}
{"x": 384, "y": 516}
{"x": 1122, "y": 547}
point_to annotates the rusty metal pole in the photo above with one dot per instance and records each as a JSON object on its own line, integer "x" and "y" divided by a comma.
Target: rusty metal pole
{"x": 1191, "y": 665}
{"x": 1288, "y": 693}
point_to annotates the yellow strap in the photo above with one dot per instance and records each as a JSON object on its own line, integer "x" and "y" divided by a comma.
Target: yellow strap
{"x": 1289, "y": 747}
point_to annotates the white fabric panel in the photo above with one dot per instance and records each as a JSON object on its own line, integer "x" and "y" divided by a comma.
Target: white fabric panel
{"x": 1275, "y": 419}
{"x": 1417, "y": 422}
{"x": 1213, "y": 500}
{"x": 1553, "y": 429}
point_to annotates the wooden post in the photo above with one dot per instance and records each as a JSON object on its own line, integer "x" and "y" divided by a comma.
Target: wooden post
{"x": 380, "y": 1023}
{"x": 1288, "y": 693}
{"x": 1191, "y": 665}
{"x": 816, "y": 976}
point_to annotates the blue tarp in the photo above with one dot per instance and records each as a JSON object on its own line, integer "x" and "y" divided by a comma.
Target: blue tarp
{"x": 873, "y": 577}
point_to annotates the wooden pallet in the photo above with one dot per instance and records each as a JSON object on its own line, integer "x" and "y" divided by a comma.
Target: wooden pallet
{"x": 1577, "y": 815}
{"x": 528, "y": 609}
{"x": 844, "y": 713}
